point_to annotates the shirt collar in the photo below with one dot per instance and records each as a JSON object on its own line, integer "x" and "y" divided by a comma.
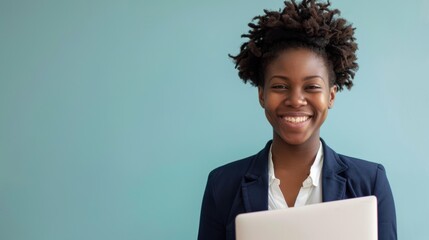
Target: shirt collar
{"x": 315, "y": 170}
{"x": 271, "y": 176}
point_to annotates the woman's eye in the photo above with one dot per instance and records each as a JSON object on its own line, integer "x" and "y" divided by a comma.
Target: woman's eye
{"x": 313, "y": 87}
{"x": 280, "y": 87}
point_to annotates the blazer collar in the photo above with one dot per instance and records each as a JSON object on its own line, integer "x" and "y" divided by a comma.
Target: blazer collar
{"x": 254, "y": 184}
{"x": 333, "y": 184}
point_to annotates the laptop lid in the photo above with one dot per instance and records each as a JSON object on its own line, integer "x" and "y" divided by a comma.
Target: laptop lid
{"x": 352, "y": 219}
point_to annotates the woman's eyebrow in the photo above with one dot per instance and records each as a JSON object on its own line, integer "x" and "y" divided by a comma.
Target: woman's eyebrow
{"x": 306, "y": 78}
{"x": 279, "y": 76}
{"x": 313, "y": 76}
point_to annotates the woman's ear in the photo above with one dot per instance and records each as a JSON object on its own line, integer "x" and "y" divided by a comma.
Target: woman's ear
{"x": 332, "y": 94}
{"x": 261, "y": 96}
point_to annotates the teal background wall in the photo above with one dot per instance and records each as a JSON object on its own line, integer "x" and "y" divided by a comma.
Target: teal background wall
{"x": 112, "y": 113}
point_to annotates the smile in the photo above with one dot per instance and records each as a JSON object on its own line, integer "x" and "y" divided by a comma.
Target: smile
{"x": 296, "y": 119}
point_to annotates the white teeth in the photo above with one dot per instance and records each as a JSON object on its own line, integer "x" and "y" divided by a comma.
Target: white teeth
{"x": 296, "y": 119}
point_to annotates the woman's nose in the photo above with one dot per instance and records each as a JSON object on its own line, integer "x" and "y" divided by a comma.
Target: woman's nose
{"x": 296, "y": 99}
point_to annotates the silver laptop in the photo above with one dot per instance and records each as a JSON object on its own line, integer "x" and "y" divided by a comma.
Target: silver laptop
{"x": 351, "y": 219}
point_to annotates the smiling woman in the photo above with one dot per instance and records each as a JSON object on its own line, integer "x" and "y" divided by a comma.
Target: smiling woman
{"x": 296, "y": 97}
{"x": 298, "y": 58}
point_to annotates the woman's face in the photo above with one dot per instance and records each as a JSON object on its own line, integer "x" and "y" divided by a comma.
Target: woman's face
{"x": 296, "y": 96}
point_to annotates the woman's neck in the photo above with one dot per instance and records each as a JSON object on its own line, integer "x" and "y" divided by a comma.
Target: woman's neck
{"x": 286, "y": 156}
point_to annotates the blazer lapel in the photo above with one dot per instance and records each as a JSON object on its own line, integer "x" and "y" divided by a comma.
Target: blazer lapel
{"x": 254, "y": 185}
{"x": 333, "y": 184}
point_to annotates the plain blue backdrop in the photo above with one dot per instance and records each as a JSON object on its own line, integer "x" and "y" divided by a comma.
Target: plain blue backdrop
{"x": 112, "y": 113}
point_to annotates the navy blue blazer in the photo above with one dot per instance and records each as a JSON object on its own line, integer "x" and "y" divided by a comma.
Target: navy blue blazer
{"x": 242, "y": 186}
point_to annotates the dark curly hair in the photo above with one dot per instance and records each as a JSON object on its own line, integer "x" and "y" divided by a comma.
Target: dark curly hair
{"x": 308, "y": 25}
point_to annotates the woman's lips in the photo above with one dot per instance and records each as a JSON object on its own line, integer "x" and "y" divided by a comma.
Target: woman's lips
{"x": 296, "y": 119}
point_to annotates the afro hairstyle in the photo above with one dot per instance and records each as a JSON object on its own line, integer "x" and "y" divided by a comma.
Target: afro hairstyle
{"x": 309, "y": 24}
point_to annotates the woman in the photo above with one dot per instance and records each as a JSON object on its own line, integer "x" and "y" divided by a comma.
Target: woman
{"x": 298, "y": 59}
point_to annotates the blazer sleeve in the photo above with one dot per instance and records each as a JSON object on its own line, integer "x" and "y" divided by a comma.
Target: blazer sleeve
{"x": 386, "y": 206}
{"x": 211, "y": 226}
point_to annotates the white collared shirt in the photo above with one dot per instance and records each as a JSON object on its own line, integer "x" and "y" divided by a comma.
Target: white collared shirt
{"x": 310, "y": 192}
